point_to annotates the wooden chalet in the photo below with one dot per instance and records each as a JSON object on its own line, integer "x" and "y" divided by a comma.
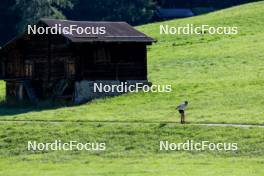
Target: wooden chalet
{"x": 47, "y": 66}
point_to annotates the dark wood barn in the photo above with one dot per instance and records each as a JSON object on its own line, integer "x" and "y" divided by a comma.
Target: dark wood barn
{"x": 47, "y": 66}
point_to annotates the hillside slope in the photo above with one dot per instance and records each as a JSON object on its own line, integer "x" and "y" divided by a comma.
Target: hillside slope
{"x": 221, "y": 76}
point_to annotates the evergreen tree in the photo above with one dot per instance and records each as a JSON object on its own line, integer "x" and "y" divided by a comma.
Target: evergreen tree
{"x": 8, "y": 19}
{"x": 32, "y": 10}
{"x": 131, "y": 11}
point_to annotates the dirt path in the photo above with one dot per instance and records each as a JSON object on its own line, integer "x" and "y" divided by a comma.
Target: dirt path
{"x": 230, "y": 124}
{"x": 136, "y": 122}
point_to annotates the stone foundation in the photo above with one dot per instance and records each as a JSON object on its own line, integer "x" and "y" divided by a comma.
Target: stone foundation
{"x": 84, "y": 90}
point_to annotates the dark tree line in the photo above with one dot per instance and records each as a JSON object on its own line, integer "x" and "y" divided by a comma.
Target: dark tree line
{"x": 132, "y": 11}
{"x": 16, "y": 14}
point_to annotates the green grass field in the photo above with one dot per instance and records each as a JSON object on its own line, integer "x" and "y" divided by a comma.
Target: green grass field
{"x": 221, "y": 76}
{"x": 132, "y": 149}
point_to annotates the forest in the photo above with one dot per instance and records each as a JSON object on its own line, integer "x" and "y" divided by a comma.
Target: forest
{"x": 16, "y": 14}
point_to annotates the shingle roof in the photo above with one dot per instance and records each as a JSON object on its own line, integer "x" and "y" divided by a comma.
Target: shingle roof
{"x": 115, "y": 31}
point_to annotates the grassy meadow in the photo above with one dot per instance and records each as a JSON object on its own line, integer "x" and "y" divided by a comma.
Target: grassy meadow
{"x": 132, "y": 149}
{"x": 221, "y": 76}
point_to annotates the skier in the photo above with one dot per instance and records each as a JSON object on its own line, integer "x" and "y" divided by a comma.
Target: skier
{"x": 181, "y": 109}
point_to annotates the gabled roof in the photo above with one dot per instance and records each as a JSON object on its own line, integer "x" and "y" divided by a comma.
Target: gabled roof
{"x": 115, "y": 31}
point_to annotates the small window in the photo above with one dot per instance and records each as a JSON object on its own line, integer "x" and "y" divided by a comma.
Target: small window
{"x": 70, "y": 69}
{"x": 29, "y": 69}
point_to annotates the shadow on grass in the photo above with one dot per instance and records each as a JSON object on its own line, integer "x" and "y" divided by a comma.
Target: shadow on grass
{"x": 25, "y": 107}
{"x": 16, "y": 108}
